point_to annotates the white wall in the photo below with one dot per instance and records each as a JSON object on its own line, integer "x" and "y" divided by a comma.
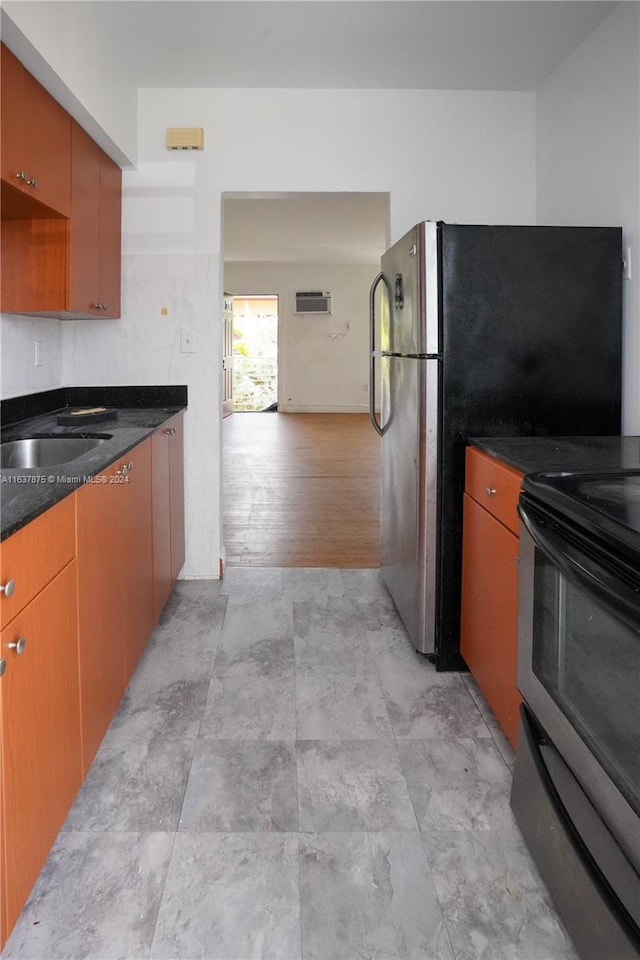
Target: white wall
{"x": 588, "y": 159}
{"x": 66, "y": 48}
{"x": 466, "y": 156}
{"x": 322, "y": 360}
{"x": 19, "y": 375}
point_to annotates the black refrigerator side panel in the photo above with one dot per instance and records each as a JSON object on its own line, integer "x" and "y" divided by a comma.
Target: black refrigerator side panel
{"x": 531, "y": 344}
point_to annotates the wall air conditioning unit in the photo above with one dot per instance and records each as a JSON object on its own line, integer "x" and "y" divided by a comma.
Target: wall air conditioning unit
{"x": 313, "y": 301}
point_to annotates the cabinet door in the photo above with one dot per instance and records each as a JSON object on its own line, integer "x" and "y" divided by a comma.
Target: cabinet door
{"x": 23, "y": 560}
{"x": 176, "y": 483}
{"x": 36, "y": 138}
{"x": 95, "y": 230}
{"x": 101, "y": 641}
{"x": 12, "y": 117}
{"x": 110, "y": 268}
{"x": 489, "y": 626}
{"x": 136, "y": 555}
{"x": 84, "y": 232}
{"x": 3, "y": 930}
{"x": 161, "y": 508}
{"x": 40, "y": 732}
{"x": 49, "y": 148}
{"x": 168, "y": 509}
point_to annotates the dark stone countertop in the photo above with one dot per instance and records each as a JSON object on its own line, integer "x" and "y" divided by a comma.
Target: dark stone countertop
{"x": 26, "y": 493}
{"x": 563, "y": 454}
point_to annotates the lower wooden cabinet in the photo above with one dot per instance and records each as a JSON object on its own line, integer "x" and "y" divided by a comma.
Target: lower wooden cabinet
{"x": 490, "y": 611}
{"x": 41, "y": 758}
{"x": 115, "y": 587}
{"x": 489, "y": 620}
{"x": 137, "y": 547}
{"x": 73, "y": 631}
{"x": 168, "y": 509}
{"x": 100, "y": 610}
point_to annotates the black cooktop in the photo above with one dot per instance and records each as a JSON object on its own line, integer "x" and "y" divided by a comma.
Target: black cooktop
{"x": 607, "y": 504}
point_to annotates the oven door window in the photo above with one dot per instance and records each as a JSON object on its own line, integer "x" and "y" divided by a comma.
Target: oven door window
{"x": 589, "y": 662}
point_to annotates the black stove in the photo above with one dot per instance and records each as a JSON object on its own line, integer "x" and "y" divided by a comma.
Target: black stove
{"x": 605, "y": 504}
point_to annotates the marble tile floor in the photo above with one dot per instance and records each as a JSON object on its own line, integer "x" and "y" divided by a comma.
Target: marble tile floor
{"x": 287, "y": 779}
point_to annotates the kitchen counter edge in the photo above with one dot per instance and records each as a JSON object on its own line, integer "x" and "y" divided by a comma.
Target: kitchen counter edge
{"x": 25, "y": 494}
{"x": 562, "y": 454}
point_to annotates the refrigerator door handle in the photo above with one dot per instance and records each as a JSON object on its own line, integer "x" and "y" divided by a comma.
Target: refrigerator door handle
{"x": 372, "y": 350}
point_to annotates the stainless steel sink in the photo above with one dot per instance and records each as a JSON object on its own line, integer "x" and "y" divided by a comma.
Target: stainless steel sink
{"x": 46, "y": 451}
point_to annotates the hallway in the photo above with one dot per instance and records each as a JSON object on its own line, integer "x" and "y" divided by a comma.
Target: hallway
{"x": 301, "y": 490}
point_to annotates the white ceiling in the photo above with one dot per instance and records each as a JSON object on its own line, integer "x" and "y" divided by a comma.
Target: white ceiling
{"x": 451, "y": 44}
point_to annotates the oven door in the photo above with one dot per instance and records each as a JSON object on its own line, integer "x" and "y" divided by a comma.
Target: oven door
{"x": 579, "y": 663}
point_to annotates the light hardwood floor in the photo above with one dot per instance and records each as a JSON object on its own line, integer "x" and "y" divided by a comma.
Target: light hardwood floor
{"x": 301, "y": 490}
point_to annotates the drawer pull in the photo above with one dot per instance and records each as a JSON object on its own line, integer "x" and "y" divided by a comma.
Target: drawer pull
{"x": 3, "y": 666}
{"x": 8, "y": 587}
{"x": 18, "y": 645}
{"x": 490, "y": 491}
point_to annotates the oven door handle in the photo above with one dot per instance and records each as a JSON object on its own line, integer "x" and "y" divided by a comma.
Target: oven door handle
{"x": 619, "y": 597}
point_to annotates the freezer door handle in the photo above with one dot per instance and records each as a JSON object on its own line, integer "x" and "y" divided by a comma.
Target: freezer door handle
{"x": 372, "y": 349}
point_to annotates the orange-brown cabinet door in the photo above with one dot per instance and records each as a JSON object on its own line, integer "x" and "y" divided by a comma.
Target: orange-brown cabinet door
{"x": 176, "y": 483}
{"x": 110, "y": 268}
{"x": 3, "y": 932}
{"x": 40, "y": 732}
{"x": 489, "y": 627}
{"x": 101, "y": 641}
{"x": 36, "y": 138}
{"x": 136, "y": 554}
{"x": 84, "y": 231}
{"x": 49, "y": 148}
{"x": 12, "y": 118}
{"x": 161, "y": 511}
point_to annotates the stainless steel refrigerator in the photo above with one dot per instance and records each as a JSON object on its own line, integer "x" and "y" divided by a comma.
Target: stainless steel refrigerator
{"x": 480, "y": 331}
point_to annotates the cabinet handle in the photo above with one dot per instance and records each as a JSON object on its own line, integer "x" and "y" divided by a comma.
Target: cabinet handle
{"x": 21, "y": 176}
{"x": 8, "y": 587}
{"x": 32, "y": 182}
{"x": 490, "y": 491}
{"x": 3, "y": 666}
{"x": 18, "y": 645}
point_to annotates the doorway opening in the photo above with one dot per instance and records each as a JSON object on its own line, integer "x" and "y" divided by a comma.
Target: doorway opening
{"x": 255, "y": 353}
{"x": 300, "y": 486}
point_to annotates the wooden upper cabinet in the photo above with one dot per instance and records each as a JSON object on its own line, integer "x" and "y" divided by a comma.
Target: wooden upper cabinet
{"x": 61, "y": 208}
{"x": 36, "y": 140}
{"x": 110, "y": 236}
{"x": 95, "y": 230}
{"x": 13, "y": 127}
